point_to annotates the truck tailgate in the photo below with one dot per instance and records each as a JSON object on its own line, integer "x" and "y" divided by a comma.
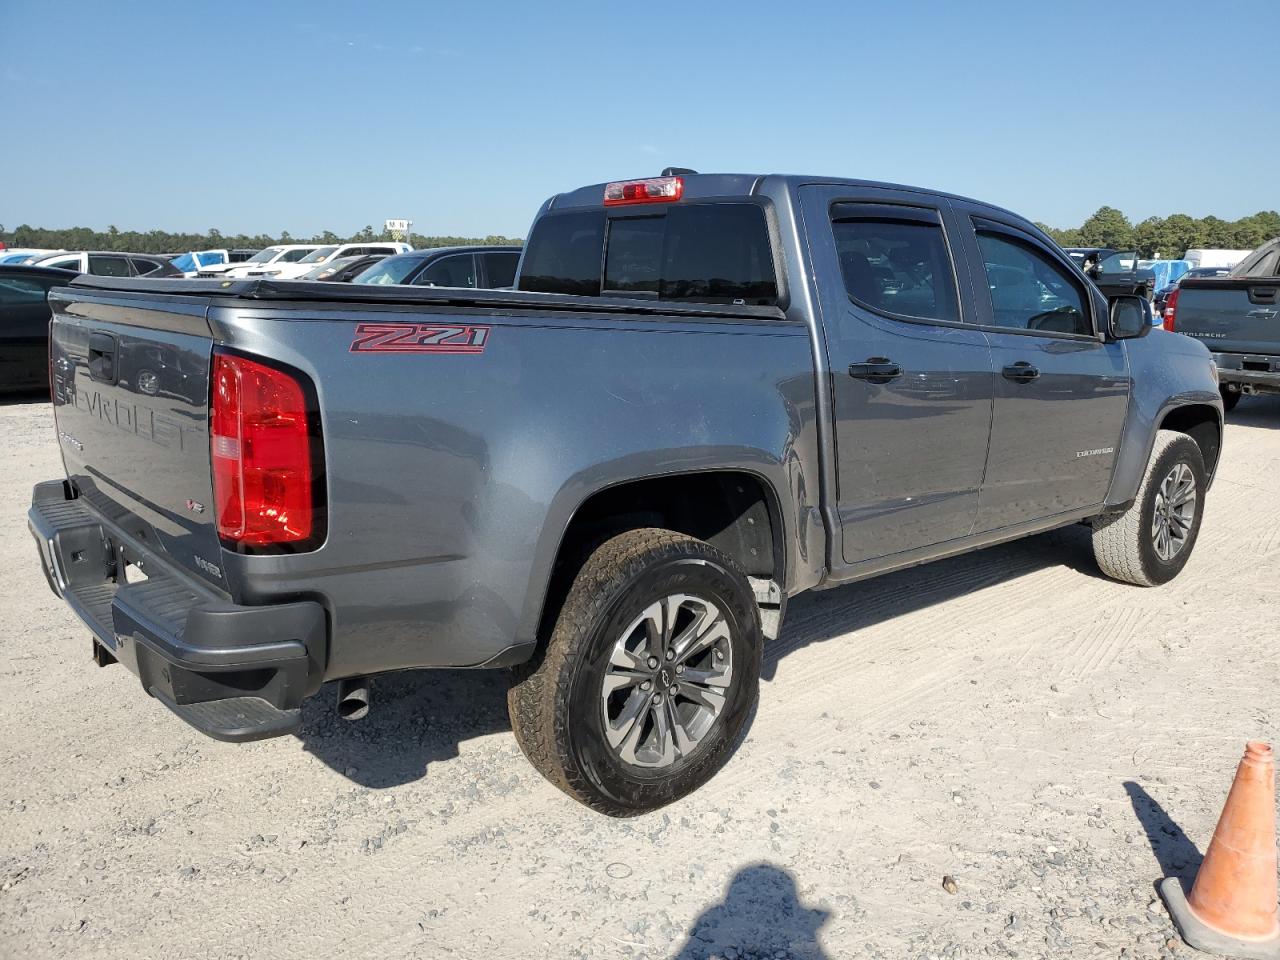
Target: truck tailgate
{"x": 1231, "y": 315}
{"x": 131, "y": 401}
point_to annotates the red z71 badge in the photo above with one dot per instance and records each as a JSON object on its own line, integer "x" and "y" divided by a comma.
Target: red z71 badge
{"x": 419, "y": 338}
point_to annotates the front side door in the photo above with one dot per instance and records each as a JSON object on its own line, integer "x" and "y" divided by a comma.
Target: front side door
{"x": 1061, "y": 392}
{"x": 911, "y": 381}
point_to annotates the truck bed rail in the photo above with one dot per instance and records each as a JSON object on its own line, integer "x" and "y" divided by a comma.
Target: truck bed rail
{"x": 443, "y": 297}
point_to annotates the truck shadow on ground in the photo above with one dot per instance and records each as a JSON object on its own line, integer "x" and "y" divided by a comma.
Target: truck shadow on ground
{"x": 417, "y": 718}
{"x": 760, "y": 915}
{"x": 1262, "y": 411}
{"x": 420, "y": 717}
{"x": 1173, "y": 849}
{"x": 35, "y": 395}
{"x": 823, "y": 615}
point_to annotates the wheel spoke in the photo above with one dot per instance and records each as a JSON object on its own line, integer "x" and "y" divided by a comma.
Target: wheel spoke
{"x": 715, "y": 677}
{"x": 709, "y": 629}
{"x": 703, "y": 696}
{"x": 665, "y": 741}
{"x": 684, "y": 743}
{"x": 625, "y": 731}
{"x": 616, "y": 680}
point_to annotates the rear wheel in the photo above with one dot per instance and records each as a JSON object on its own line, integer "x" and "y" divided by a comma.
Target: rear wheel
{"x": 1150, "y": 543}
{"x": 649, "y": 675}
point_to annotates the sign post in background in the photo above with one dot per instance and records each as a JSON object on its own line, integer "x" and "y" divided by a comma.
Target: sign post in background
{"x": 399, "y": 229}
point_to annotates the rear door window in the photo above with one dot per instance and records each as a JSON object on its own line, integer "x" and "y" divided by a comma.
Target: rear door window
{"x": 895, "y": 265}
{"x": 109, "y": 267}
{"x": 143, "y": 267}
{"x": 500, "y": 268}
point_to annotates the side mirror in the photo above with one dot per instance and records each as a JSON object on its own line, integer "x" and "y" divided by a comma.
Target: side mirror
{"x": 1130, "y": 317}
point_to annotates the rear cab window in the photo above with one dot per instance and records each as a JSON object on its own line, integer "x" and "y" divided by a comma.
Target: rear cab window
{"x": 713, "y": 252}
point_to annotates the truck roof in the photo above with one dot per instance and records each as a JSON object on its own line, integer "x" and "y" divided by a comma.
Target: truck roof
{"x": 705, "y": 185}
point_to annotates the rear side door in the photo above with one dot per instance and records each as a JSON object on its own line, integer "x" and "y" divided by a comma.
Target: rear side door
{"x": 911, "y": 380}
{"x": 455, "y": 270}
{"x": 1061, "y": 392}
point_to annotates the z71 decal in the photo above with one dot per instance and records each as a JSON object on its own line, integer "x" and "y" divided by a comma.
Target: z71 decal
{"x": 419, "y": 338}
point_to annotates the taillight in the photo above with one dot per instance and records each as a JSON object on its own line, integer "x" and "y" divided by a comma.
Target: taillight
{"x": 261, "y": 439}
{"x": 1171, "y": 309}
{"x": 653, "y": 190}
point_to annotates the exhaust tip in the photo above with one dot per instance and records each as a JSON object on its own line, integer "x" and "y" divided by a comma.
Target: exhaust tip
{"x": 353, "y": 698}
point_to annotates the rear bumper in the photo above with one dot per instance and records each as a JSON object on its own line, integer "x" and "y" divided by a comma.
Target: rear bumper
{"x": 1254, "y": 373}
{"x": 235, "y": 673}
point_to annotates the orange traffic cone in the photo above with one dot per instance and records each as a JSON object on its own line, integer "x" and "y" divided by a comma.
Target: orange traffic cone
{"x": 1232, "y": 907}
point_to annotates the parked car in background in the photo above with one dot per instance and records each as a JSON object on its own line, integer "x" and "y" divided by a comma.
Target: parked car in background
{"x": 264, "y": 263}
{"x": 342, "y": 269}
{"x": 110, "y": 263}
{"x": 21, "y": 255}
{"x": 710, "y": 393}
{"x": 480, "y": 267}
{"x": 192, "y": 263}
{"x": 1162, "y": 294}
{"x": 1119, "y": 274}
{"x": 1214, "y": 257}
{"x": 1238, "y": 318}
{"x": 234, "y": 258}
{"x": 24, "y": 326}
{"x": 1086, "y": 258}
{"x": 325, "y": 254}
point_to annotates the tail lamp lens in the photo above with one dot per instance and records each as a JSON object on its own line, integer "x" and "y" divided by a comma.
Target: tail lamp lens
{"x": 1171, "y": 309}
{"x": 260, "y": 441}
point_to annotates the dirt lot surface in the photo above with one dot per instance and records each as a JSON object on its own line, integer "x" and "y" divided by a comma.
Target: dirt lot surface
{"x": 1009, "y": 719}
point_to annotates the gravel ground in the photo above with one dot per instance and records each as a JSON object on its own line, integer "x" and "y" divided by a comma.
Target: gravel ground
{"x": 1009, "y": 720}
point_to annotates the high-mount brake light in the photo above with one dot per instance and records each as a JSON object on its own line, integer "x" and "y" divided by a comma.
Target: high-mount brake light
{"x": 1171, "y": 310}
{"x": 261, "y": 447}
{"x": 653, "y": 190}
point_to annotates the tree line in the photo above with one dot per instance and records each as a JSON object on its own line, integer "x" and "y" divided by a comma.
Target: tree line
{"x": 1154, "y": 237}
{"x": 1168, "y": 237}
{"x": 162, "y": 241}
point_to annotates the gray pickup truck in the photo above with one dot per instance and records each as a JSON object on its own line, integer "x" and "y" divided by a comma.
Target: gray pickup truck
{"x": 709, "y": 393}
{"x": 1238, "y": 318}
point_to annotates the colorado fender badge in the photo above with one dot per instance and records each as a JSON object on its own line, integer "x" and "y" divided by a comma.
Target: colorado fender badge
{"x": 419, "y": 338}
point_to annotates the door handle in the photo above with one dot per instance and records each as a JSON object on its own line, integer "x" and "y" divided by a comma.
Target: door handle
{"x": 876, "y": 370}
{"x": 1020, "y": 372}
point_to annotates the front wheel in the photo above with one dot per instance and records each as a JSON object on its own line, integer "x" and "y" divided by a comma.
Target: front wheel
{"x": 1150, "y": 543}
{"x": 647, "y": 679}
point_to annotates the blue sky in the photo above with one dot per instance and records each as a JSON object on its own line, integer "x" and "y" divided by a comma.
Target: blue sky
{"x": 465, "y": 115}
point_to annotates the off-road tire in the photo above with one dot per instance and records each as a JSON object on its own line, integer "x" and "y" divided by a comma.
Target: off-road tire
{"x": 1122, "y": 543}
{"x": 554, "y": 700}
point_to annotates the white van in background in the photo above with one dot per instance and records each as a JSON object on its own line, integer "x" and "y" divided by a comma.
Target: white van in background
{"x": 1215, "y": 258}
